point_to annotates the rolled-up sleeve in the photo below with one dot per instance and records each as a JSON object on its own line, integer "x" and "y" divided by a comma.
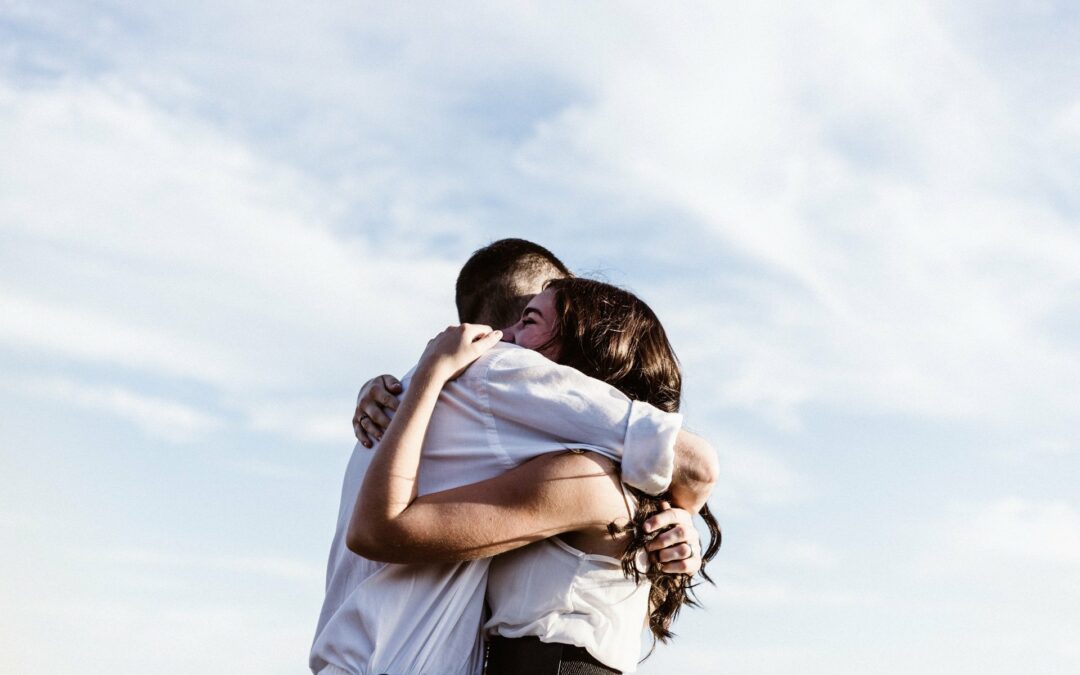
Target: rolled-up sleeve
{"x": 527, "y": 394}
{"x": 649, "y": 451}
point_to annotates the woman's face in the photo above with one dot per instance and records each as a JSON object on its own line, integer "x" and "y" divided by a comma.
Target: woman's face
{"x": 536, "y": 326}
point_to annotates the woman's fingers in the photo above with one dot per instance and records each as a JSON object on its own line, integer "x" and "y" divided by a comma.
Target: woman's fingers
{"x": 450, "y": 352}
{"x": 461, "y": 345}
{"x": 475, "y": 334}
{"x": 486, "y": 340}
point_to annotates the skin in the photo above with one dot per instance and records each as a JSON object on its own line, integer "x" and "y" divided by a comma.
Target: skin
{"x": 696, "y": 468}
{"x": 380, "y": 395}
{"x": 576, "y": 495}
{"x": 536, "y": 326}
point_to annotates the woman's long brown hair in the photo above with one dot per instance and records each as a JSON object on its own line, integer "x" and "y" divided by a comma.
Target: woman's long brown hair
{"x": 610, "y": 334}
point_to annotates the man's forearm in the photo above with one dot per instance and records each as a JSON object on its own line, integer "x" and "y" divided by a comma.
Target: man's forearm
{"x": 696, "y": 472}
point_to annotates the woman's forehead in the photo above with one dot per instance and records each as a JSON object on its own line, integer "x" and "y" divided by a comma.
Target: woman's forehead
{"x": 543, "y": 302}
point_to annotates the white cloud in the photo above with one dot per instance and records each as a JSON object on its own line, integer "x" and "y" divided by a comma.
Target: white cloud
{"x": 856, "y": 210}
{"x": 796, "y": 552}
{"x": 312, "y": 420}
{"x": 263, "y": 468}
{"x": 111, "y": 636}
{"x": 746, "y": 586}
{"x": 96, "y": 337}
{"x": 275, "y": 567}
{"x": 751, "y": 477}
{"x": 157, "y": 417}
{"x": 1067, "y": 125}
{"x": 894, "y": 263}
{"x": 151, "y": 241}
{"x": 1013, "y": 529}
{"x": 14, "y": 520}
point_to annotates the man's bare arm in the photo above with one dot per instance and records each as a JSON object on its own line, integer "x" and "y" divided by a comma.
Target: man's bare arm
{"x": 696, "y": 471}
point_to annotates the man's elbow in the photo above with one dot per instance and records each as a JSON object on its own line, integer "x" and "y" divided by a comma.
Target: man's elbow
{"x": 707, "y": 469}
{"x": 696, "y": 461}
{"x": 697, "y": 470}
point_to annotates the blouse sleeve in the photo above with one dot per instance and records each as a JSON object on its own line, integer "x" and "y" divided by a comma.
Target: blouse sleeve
{"x": 525, "y": 391}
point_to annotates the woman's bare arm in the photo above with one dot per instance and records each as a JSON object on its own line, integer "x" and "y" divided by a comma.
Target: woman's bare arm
{"x": 390, "y": 483}
{"x": 549, "y": 495}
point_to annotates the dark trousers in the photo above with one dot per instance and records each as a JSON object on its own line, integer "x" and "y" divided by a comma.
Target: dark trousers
{"x": 530, "y": 656}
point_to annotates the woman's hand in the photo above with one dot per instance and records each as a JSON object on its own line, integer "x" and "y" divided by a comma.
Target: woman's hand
{"x": 676, "y": 549}
{"x": 450, "y": 352}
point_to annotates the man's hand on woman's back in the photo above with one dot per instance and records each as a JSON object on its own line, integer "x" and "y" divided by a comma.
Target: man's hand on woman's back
{"x": 677, "y": 547}
{"x": 375, "y": 405}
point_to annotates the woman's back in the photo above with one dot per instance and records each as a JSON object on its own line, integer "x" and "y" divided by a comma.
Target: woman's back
{"x": 559, "y": 594}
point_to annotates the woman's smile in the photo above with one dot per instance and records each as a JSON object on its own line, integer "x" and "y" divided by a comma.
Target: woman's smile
{"x": 536, "y": 327}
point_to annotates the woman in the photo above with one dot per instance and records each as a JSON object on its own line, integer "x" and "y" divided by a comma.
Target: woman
{"x": 580, "y": 589}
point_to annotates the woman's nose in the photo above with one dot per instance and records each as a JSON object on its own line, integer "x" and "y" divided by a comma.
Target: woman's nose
{"x": 509, "y": 334}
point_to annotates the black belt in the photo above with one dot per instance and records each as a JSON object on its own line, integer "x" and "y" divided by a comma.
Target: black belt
{"x": 530, "y": 656}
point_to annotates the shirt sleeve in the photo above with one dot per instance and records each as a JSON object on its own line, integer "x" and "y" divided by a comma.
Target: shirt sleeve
{"x": 526, "y": 392}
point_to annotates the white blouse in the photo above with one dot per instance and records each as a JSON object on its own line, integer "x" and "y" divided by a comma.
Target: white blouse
{"x": 508, "y": 407}
{"x": 557, "y": 593}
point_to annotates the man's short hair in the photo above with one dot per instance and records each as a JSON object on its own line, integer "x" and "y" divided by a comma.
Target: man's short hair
{"x": 497, "y": 281}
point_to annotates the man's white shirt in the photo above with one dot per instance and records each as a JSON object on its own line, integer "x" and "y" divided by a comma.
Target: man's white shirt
{"x": 510, "y": 406}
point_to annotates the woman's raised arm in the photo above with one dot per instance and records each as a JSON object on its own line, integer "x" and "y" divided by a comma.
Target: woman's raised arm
{"x": 390, "y": 483}
{"x": 552, "y": 494}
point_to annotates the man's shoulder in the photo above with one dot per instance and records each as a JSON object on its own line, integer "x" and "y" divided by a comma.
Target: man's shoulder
{"x": 508, "y": 356}
{"x": 508, "y": 364}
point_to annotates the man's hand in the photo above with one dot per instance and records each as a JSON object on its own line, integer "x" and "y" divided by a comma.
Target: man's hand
{"x": 678, "y": 548}
{"x": 374, "y": 406}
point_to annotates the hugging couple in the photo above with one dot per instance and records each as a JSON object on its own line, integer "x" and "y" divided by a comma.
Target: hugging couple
{"x": 528, "y": 510}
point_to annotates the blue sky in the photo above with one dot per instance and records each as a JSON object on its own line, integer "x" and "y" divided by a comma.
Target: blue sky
{"x": 857, "y": 220}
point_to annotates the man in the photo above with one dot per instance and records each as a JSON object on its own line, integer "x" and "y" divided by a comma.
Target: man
{"x": 416, "y": 619}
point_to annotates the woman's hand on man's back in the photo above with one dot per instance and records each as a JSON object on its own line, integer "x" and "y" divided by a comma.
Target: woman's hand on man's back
{"x": 450, "y": 352}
